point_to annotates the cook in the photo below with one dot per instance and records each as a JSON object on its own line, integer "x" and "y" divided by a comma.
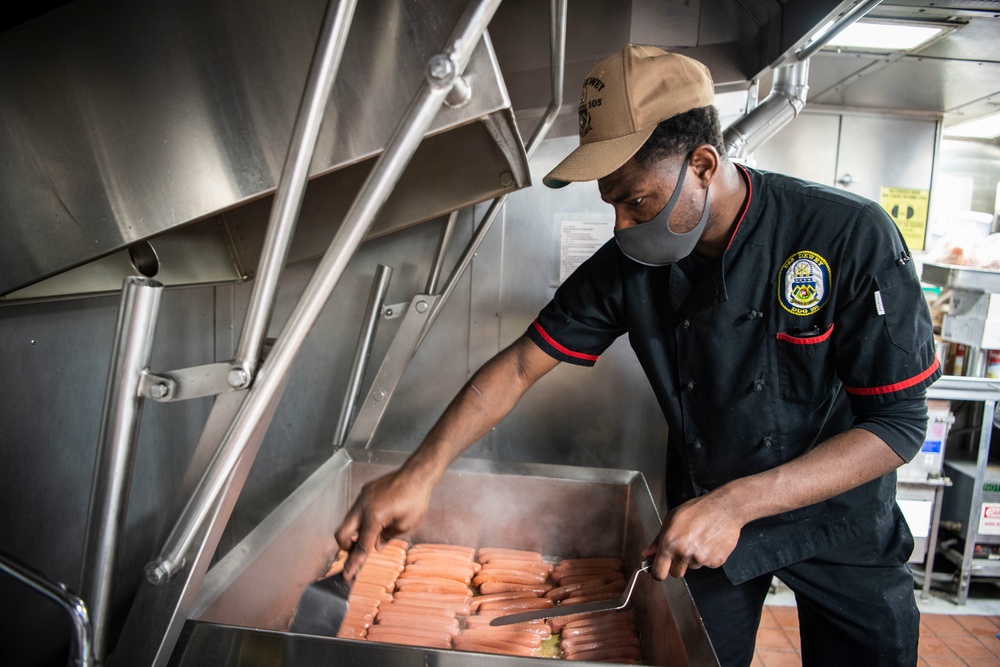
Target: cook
{"x": 782, "y": 327}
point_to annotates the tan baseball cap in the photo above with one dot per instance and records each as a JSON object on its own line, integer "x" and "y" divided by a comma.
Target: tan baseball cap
{"x": 623, "y": 100}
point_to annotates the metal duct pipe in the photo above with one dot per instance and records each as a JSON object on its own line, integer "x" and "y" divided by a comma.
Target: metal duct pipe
{"x": 835, "y": 29}
{"x": 780, "y": 107}
{"x": 788, "y": 92}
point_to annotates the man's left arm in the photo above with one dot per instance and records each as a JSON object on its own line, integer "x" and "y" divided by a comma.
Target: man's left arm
{"x": 703, "y": 531}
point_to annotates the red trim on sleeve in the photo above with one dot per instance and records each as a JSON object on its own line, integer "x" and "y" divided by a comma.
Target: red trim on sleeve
{"x": 897, "y": 386}
{"x": 746, "y": 206}
{"x": 805, "y": 340}
{"x": 568, "y": 352}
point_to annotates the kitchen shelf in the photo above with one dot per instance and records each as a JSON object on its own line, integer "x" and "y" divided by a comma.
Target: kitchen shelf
{"x": 961, "y": 277}
{"x": 987, "y": 392}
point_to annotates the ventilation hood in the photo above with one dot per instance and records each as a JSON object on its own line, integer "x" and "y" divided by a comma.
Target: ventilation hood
{"x": 148, "y": 138}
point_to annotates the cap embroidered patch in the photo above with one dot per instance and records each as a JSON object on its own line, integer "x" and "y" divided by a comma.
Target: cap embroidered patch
{"x": 804, "y": 283}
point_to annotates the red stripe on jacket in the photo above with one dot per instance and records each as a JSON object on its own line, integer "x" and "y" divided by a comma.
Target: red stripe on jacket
{"x": 896, "y": 386}
{"x": 805, "y": 340}
{"x": 565, "y": 350}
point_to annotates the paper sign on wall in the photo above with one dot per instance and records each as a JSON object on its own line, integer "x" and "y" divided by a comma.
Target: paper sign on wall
{"x": 908, "y": 207}
{"x": 579, "y": 239}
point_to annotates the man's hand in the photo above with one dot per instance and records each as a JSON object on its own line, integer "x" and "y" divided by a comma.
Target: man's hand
{"x": 703, "y": 532}
{"x": 386, "y": 507}
{"x": 700, "y": 533}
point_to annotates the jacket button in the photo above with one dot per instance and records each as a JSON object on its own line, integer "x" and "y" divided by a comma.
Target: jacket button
{"x": 758, "y": 385}
{"x": 686, "y": 324}
{"x": 689, "y": 385}
{"x": 766, "y": 442}
{"x": 754, "y": 314}
{"x": 696, "y": 444}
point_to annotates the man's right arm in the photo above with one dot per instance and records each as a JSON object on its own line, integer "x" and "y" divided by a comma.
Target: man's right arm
{"x": 395, "y": 503}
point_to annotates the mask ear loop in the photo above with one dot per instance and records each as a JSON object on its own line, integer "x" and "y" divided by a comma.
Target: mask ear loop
{"x": 672, "y": 202}
{"x": 631, "y": 241}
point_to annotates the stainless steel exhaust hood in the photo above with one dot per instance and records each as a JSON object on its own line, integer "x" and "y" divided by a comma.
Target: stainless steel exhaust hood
{"x": 147, "y": 138}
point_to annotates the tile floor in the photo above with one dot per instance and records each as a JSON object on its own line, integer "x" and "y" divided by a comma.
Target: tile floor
{"x": 945, "y": 640}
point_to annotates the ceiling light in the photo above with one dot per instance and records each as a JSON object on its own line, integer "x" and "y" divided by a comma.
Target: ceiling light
{"x": 984, "y": 127}
{"x": 879, "y": 36}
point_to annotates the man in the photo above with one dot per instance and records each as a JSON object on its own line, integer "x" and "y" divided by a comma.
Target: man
{"x": 782, "y": 327}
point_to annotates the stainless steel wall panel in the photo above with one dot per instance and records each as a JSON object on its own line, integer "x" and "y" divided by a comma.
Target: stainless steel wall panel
{"x": 55, "y": 358}
{"x": 883, "y": 151}
{"x": 806, "y": 148}
{"x": 440, "y": 366}
{"x": 601, "y": 416}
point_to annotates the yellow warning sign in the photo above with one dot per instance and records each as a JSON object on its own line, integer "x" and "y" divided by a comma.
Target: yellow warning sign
{"x": 908, "y": 207}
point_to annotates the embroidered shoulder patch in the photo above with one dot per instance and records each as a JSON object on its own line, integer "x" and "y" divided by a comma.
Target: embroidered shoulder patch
{"x": 804, "y": 283}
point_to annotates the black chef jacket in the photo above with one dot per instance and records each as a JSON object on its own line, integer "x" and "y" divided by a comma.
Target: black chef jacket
{"x": 811, "y": 322}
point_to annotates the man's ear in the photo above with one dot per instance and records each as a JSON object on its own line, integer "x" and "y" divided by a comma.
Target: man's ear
{"x": 705, "y": 160}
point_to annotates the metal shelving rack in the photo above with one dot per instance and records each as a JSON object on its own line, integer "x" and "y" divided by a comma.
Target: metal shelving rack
{"x": 985, "y": 391}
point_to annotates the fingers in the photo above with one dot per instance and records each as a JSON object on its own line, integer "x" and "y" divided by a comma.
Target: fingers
{"x": 348, "y": 530}
{"x": 664, "y": 566}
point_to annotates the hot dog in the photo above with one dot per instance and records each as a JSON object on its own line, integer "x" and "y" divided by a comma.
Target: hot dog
{"x": 514, "y": 637}
{"x": 535, "y": 567}
{"x": 488, "y": 587}
{"x": 596, "y": 630}
{"x": 449, "y": 548}
{"x": 507, "y": 595}
{"x": 582, "y": 588}
{"x": 453, "y": 574}
{"x": 371, "y": 591}
{"x": 487, "y": 553}
{"x": 520, "y": 604}
{"x": 558, "y": 576}
{"x": 416, "y": 616}
{"x": 492, "y": 646}
{"x": 606, "y": 578}
{"x": 432, "y": 609}
{"x": 614, "y": 588}
{"x": 512, "y": 576}
{"x": 433, "y": 585}
{"x": 596, "y": 597}
{"x": 561, "y": 622}
{"x": 591, "y": 643}
{"x": 417, "y": 623}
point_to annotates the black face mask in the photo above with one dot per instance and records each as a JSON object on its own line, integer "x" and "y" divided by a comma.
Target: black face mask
{"x": 653, "y": 243}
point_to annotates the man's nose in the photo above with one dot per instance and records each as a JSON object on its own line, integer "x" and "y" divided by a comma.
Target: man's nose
{"x": 623, "y": 220}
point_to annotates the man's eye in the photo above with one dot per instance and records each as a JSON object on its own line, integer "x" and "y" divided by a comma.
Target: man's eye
{"x": 637, "y": 202}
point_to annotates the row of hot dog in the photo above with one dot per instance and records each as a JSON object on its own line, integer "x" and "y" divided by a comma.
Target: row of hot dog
{"x": 443, "y": 596}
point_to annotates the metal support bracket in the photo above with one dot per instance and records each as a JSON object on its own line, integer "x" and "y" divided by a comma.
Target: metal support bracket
{"x": 187, "y": 383}
{"x": 401, "y": 351}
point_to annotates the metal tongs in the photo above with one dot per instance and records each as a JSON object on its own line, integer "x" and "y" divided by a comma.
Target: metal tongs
{"x": 582, "y": 608}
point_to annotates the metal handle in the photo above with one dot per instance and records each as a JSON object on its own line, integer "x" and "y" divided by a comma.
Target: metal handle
{"x": 81, "y": 650}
